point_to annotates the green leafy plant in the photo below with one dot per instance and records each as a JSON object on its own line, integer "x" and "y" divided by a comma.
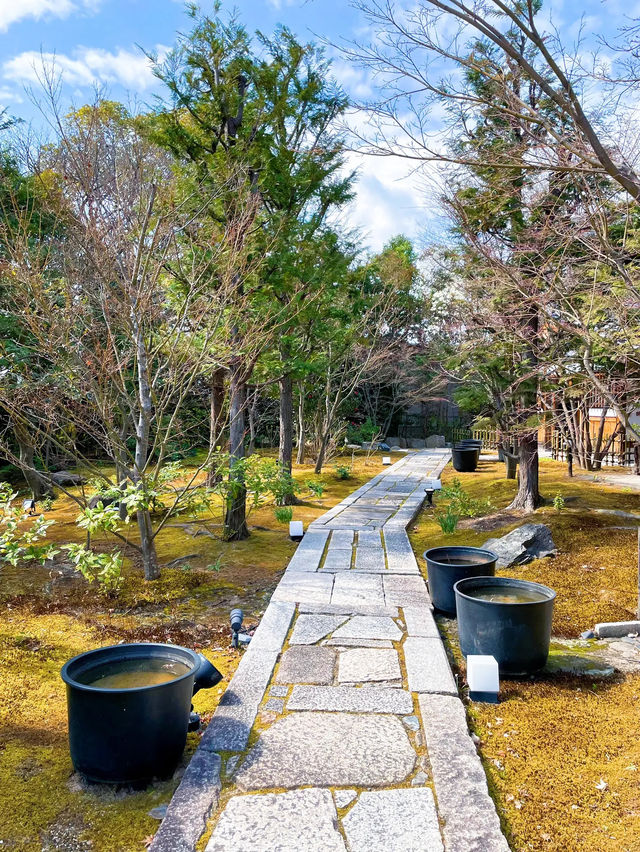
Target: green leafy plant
{"x": 316, "y": 488}
{"x": 104, "y": 569}
{"x": 559, "y": 502}
{"x": 343, "y": 471}
{"x": 283, "y": 514}
{"x": 461, "y": 502}
{"x": 448, "y": 520}
{"x": 21, "y": 535}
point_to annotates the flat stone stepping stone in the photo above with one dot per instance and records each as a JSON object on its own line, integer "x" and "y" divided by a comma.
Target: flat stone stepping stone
{"x": 310, "y": 629}
{"x": 428, "y": 668}
{"x": 398, "y": 820}
{"x": 351, "y": 589}
{"x": 370, "y": 559}
{"x": 327, "y": 750}
{"x": 405, "y": 591}
{"x": 337, "y": 560}
{"x": 370, "y": 539}
{"x": 350, "y": 699}
{"x": 299, "y": 821}
{"x": 358, "y": 665}
{"x": 369, "y": 627}
{"x": 307, "y": 664}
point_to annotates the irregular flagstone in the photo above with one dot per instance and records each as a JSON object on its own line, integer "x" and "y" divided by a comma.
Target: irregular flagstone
{"x": 465, "y": 806}
{"x": 328, "y": 749}
{"x": 399, "y": 820}
{"x": 427, "y": 666}
{"x": 358, "y": 643}
{"x": 301, "y": 587}
{"x": 310, "y": 629}
{"x": 351, "y": 589}
{"x": 351, "y": 699}
{"x": 369, "y": 627}
{"x": 307, "y": 664}
{"x": 360, "y": 609}
{"x": 368, "y": 664}
{"x": 344, "y": 797}
{"x": 298, "y": 821}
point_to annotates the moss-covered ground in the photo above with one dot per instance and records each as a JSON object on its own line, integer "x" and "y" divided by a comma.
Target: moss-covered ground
{"x": 562, "y": 753}
{"x": 47, "y": 618}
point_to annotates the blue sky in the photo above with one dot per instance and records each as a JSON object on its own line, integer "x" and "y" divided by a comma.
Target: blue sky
{"x": 96, "y": 42}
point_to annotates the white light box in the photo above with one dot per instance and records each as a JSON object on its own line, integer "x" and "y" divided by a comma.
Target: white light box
{"x": 483, "y": 678}
{"x": 386, "y": 459}
{"x": 296, "y": 530}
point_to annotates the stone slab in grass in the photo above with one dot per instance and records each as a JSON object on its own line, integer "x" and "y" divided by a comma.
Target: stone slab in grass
{"x": 298, "y": 821}
{"x": 369, "y": 627}
{"x": 350, "y": 699}
{"x": 398, "y": 820}
{"x": 470, "y": 821}
{"x": 327, "y": 750}
{"x": 427, "y": 666}
{"x": 358, "y": 665}
{"x": 307, "y": 664}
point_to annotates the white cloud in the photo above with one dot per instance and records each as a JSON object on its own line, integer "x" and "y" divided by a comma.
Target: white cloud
{"x": 87, "y": 66}
{"x": 12, "y": 11}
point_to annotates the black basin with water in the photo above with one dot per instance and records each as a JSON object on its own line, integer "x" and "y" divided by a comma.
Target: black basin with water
{"x": 507, "y": 619}
{"x": 121, "y": 732}
{"x": 464, "y": 458}
{"x": 447, "y": 565}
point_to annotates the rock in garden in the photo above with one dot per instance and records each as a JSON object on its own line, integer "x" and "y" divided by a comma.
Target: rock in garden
{"x": 522, "y": 545}
{"x": 65, "y": 477}
{"x": 435, "y": 442}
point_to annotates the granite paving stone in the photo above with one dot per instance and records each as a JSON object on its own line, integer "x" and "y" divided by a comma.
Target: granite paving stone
{"x": 420, "y": 622}
{"x": 279, "y": 691}
{"x": 337, "y": 560}
{"x": 310, "y": 629}
{"x": 307, "y": 664}
{"x": 299, "y": 587}
{"x": 358, "y": 643}
{"x": 276, "y": 705}
{"x": 358, "y": 665}
{"x": 399, "y": 820}
{"x": 329, "y": 749}
{"x": 370, "y": 539}
{"x": 350, "y": 699}
{"x": 274, "y": 626}
{"x": 337, "y": 609}
{"x": 370, "y": 559}
{"x": 344, "y": 797}
{"x": 296, "y": 821}
{"x": 369, "y": 627}
{"x": 427, "y": 666}
{"x": 351, "y": 589}
{"x": 405, "y": 591}
{"x": 466, "y": 808}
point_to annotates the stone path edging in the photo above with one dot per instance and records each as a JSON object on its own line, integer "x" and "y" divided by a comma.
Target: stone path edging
{"x": 362, "y": 697}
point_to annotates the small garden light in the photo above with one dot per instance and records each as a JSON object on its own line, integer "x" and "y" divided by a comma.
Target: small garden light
{"x": 296, "y": 530}
{"x": 483, "y": 678}
{"x": 386, "y": 459}
{"x": 236, "y": 625}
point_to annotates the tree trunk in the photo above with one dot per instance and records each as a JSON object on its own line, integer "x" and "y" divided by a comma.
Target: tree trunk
{"x": 528, "y": 496}
{"x": 216, "y": 402}
{"x": 148, "y": 546}
{"x": 301, "y": 429}
{"x": 322, "y": 452}
{"x": 511, "y": 465}
{"x": 26, "y": 451}
{"x": 285, "y": 449}
{"x": 235, "y": 522}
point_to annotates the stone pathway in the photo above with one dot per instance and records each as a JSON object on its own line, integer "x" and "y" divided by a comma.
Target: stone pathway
{"x": 342, "y": 728}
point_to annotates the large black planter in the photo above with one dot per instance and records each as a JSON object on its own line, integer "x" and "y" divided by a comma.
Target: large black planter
{"x": 447, "y": 565}
{"x": 464, "y": 459}
{"x": 516, "y": 633}
{"x": 131, "y": 735}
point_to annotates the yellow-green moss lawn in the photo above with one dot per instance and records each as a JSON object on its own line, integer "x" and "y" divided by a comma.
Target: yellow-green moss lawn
{"x": 47, "y": 619}
{"x": 562, "y": 754}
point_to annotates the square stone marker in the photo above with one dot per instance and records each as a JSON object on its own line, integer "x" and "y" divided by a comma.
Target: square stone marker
{"x": 358, "y": 665}
{"x": 310, "y": 629}
{"x": 398, "y": 820}
{"x": 298, "y": 821}
{"x": 307, "y": 664}
{"x": 369, "y": 627}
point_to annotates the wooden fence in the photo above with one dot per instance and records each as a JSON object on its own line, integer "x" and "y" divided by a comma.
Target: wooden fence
{"x": 621, "y": 452}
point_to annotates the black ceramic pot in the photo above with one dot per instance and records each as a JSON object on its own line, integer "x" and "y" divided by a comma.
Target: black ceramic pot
{"x": 464, "y": 459}
{"x": 131, "y": 735}
{"x": 447, "y": 565}
{"x": 517, "y": 633}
